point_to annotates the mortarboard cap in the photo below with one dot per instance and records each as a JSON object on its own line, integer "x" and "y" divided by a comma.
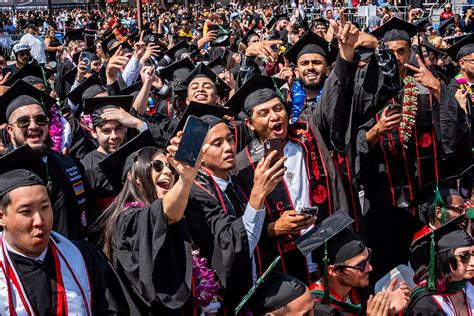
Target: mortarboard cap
{"x": 29, "y": 72}
{"x": 70, "y": 76}
{"x": 444, "y": 26}
{"x": 217, "y": 65}
{"x": 18, "y": 178}
{"x": 429, "y": 47}
{"x": 96, "y": 106}
{"x": 74, "y": 35}
{"x": 281, "y": 17}
{"x": 202, "y": 70}
{"x": 257, "y": 90}
{"x": 126, "y": 47}
{"x": 245, "y": 40}
{"x": 21, "y": 94}
{"x": 24, "y": 157}
{"x": 271, "y": 23}
{"x": 320, "y": 21}
{"x": 108, "y": 42}
{"x": 88, "y": 88}
{"x": 133, "y": 90}
{"x": 396, "y": 29}
{"x": 422, "y": 23}
{"x": 223, "y": 35}
{"x": 462, "y": 48}
{"x": 171, "y": 72}
{"x": 311, "y": 43}
{"x": 116, "y": 165}
{"x": 199, "y": 110}
{"x": 173, "y": 50}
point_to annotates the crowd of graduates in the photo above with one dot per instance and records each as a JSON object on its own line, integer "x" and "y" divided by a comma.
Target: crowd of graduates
{"x": 333, "y": 175}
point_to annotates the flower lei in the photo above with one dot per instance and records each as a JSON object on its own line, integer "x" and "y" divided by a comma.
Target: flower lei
{"x": 206, "y": 286}
{"x": 409, "y": 108}
{"x": 56, "y": 129}
{"x": 134, "y": 204}
{"x": 86, "y": 121}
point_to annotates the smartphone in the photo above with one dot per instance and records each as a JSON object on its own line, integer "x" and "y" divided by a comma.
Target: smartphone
{"x": 6, "y": 70}
{"x": 275, "y": 48}
{"x": 271, "y": 145}
{"x": 394, "y": 109}
{"x": 195, "y": 132}
{"x": 313, "y": 211}
{"x": 86, "y": 58}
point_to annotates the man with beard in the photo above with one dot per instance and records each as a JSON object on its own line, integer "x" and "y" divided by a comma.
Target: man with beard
{"x": 26, "y": 111}
{"x": 223, "y": 224}
{"x": 311, "y": 179}
{"x": 402, "y": 162}
{"x": 22, "y": 56}
{"x": 345, "y": 259}
{"x": 110, "y": 121}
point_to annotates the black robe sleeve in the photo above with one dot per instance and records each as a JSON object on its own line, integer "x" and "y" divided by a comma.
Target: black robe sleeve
{"x": 222, "y": 239}
{"x": 107, "y": 295}
{"x": 425, "y": 306}
{"x": 154, "y": 258}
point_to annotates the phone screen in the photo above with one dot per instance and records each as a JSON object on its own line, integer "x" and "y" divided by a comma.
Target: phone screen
{"x": 274, "y": 144}
{"x": 313, "y": 211}
{"x": 195, "y": 132}
{"x": 86, "y": 58}
{"x": 6, "y": 70}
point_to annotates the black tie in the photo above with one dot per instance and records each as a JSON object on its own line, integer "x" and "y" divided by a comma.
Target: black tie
{"x": 234, "y": 199}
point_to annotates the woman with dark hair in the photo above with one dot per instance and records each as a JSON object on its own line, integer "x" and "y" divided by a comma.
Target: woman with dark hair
{"x": 444, "y": 289}
{"x": 144, "y": 236}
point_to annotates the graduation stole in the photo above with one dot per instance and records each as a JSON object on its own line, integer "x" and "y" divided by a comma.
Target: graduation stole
{"x": 317, "y": 289}
{"x": 464, "y": 85}
{"x": 74, "y": 296}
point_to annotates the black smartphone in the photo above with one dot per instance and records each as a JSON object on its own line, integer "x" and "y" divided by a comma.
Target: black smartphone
{"x": 195, "y": 132}
{"x": 313, "y": 211}
{"x": 6, "y": 70}
{"x": 275, "y": 48}
{"x": 394, "y": 109}
{"x": 271, "y": 145}
{"x": 86, "y": 58}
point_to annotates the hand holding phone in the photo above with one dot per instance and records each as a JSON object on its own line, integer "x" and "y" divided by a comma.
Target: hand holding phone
{"x": 6, "y": 71}
{"x": 394, "y": 109}
{"x": 272, "y": 145}
{"x": 312, "y": 211}
{"x": 86, "y": 58}
{"x": 195, "y": 132}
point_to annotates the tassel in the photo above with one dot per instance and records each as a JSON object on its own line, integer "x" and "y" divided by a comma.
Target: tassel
{"x": 325, "y": 275}
{"x": 431, "y": 268}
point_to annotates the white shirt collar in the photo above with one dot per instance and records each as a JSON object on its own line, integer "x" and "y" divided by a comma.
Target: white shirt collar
{"x": 40, "y": 258}
{"x": 221, "y": 183}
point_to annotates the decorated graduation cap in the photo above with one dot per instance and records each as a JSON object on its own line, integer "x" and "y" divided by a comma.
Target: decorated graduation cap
{"x": 200, "y": 110}
{"x": 21, "y": 94}
{"x": 97, "y": 105}
{"x": 88, "y": 88}
{"x": 203, "y": 71}
{"x": 396, "y": 30}
{"x": 217, "y": 65}
{"x": 24, "y": 157}
{"x": 449, "y": 236}
{"x": 115, "y": 166}
{"x": 245, "y": 40}
{"x": 74, "y": 35}
{"x": 179, "y": 69}
{"x": 310, "y": 43}
{"x": 223, "y": 35}
{"x": 31, "y": 74}
{"x": 462, "y": 48}
{"x": 257, "y": 90}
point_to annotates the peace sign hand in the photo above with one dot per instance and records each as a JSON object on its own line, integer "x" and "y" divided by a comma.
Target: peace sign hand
{"x": 425, "y": 77}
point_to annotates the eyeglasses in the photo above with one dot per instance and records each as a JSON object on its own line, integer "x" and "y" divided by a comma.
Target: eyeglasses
{"x": 159, "y": 165}
{"x": 464, "y": 257}
{"x": 460, "y": 209}
{"x": 361, "y": 266}
{"x": 471, "y": 61}
{"x": 24, "y": 122}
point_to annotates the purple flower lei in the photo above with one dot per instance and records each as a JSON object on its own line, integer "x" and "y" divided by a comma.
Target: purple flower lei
{"x": 134, "y": 204}
{"x": 56, "y": 129}
{"x": 206, "y": 286}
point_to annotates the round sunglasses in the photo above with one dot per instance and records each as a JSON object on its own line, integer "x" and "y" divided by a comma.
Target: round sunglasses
{"x": 159, "y": 165}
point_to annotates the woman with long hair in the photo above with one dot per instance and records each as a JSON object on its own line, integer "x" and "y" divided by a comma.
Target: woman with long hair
{"x": 143, "y": 234}
{"x": 53, "y": 45}
{"x": 443, "y": 289}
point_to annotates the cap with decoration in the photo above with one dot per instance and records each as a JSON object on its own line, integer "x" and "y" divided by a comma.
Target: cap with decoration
{"x": 462, "y": 48}
{"x": 97, "y": 105}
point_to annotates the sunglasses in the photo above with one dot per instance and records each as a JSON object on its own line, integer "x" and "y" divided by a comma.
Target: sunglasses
{"x": 361, "y": 266}
{"x": 159, "y": 165}
{"x": 464, "y": 257}
{"x": 460, "y": 209}
{"x": 23, "y": 53}
{"x": 40, "y": 120}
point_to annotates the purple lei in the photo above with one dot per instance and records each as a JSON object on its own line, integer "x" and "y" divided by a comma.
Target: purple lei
{"x": 134, "y": 204}
{"x": 206, "y": 286}
{"x": 56, "y": 129}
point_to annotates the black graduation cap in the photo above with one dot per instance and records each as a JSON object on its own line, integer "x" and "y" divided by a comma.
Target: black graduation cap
{"x": 222, "y": 88}
{"x": 133, "y": 89}
{"x": 462, "y": 48}
{"x": 311, "y": 43}
{"x": 173, "y": 50}
{"x": 423, "y": 250}
{"x": 74, "y": 35}
{"x": 429, "y": 47}
{"x": 21, "y": 94}
{"x": 396, "y": 29}
{"x": 29, "y": 70}
{"x": 108, "y": 42}
{"x": 24, "y": 157}
{"x": 18, "y": 178}
{"x": 96, "y": 106}
{"x": 199, "y": 110}
{"x": 217, "y": 65}
{"x": 116, "y": 164}
{"x": 271, "y": 23}
{"x": 322, "y": 21}
{"x": 88, "y": 88}
{"x": 257, "y": 90}
{"x": 171, "y": 72}
{"x": 444, "y": 26}
{"x": 280, "y": 17}
{"x": 423, "y": 22}
{"x": 247, "y": 36}
{"x": 126, "y": 47}
{"x": 70, "y": 76}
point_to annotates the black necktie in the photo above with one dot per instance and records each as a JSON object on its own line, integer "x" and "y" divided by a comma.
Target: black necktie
{"x": 234, "y": 199}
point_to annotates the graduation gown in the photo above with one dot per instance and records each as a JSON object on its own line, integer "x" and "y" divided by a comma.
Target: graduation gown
{"x": 60, "y": 85}
{"x": 81, "y": 143}
{"x": 40, "y": 282}
{"x": 396, "y": 179}
{"x": 153, "y": 259}
{"x": 321, "y": 131}
{"x": 217, "y": 229}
